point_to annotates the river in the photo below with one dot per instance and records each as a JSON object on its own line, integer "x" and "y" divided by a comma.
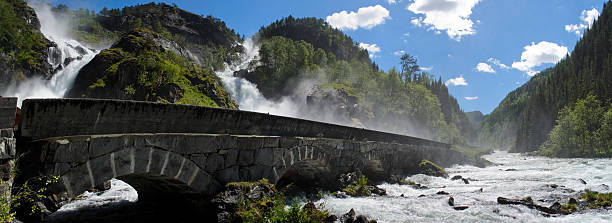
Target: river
{"x": 528, "y": 176}
{"x": 511, "y": 175}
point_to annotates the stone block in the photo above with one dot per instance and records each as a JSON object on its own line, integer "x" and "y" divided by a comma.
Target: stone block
{"x": 214, "y": 162}
{"x": 288, "y": 142}
{"x": 101, "y": 169}
{"x": 246, "y": 157}
{"x": 173, "y": 164}
{"x": 231, "y": 157}
{"x": 155, "y": 163}
{"x": 72, "y": 152}
{"x": 100, "y": 145}
{"x": 199, "y": 160}
{"x": 61, "y": 168}
{"x": 187, "y": 171}
{"x": 77, "y": 180}
{"x": 249, "y": 142}
{"x": 191, "y": 144}
{"x": 8, "y": 108}
{"x": 226, "y": 141}
{"x": 7, "y": 133}
{"x": 264, "y": 157}
{"x": 141, "y": 159}
{"x": 271, "y": 142}
{"x": 228, "y": 175}
{"x": 123, "y": 161}
{"x": 201, "y": 182}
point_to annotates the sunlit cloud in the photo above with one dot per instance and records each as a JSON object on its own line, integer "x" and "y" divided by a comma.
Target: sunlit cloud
{"x": 483, "y": 67}
{"x": 471, "y": 98}
{"x": 452, "y": 16}
{"x": 458, "y": 81}
{"x": 537, "y": 54}
{"x": 587, "y": 17}
{"x": 371, "y": 48}
{"x": 366, "y": 17}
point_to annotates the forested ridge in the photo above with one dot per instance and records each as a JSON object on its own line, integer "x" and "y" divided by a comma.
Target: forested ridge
{"x": 577, "y": 85}
{"x": 407, "y": 100}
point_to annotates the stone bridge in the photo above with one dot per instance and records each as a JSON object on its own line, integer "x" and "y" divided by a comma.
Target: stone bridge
{"x": 180, "y": 149}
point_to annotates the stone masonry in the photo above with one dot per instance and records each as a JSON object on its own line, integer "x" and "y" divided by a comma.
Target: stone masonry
{"x": 7, "y": 144}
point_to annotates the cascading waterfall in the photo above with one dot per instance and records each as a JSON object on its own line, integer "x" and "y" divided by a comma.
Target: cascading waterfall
{"x": 67, "y": 59}
{"x": 246, "y": 93}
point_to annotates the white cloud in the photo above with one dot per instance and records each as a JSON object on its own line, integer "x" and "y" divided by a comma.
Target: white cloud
{"x": 537, "y": 54}
{"x": 427, "y": 68}
{"x": 366, "y": 17}
{"x": 392, "y": 2}
{"x": 483, "y": 67}
{"x": 498, "y": 63}
{"x": 471, "y": 98}
{"x": 399, "y": 53}
{"x": 587, "y": 17}
{"x": 458, "y": 81}
{"x": 452, "y": 16}
{"x": 371, "y": 48}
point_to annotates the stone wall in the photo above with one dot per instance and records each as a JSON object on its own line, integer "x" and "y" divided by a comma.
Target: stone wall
{"x": 44, "y": 118}
{"x": 7, "y": 144}
{"x": 203, "y": 163}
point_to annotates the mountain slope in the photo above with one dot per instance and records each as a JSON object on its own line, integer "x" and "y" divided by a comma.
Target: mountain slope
{"x": 319, "y": 66}
{"x": 144, "y": 66}
{"x": 23, "y": 48}
{"x": 588, "y": 70}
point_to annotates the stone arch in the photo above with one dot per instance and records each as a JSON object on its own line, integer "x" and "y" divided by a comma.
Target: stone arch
{"x": 149, "y": 170}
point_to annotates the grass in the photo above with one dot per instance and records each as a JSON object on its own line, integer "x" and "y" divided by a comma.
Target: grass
{"x": 597, "y": 200}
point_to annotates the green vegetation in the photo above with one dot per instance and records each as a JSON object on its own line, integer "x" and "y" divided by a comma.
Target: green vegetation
{"x": 473, "y": 154}
{"x": 138, "y": 68}
{"x": 429, "y": 168}
{"x": 208, "y": 38}
{"x": 21, "y": 44}
{"x": 525, "y": 118}
{"x": 293, "y": 50}
{"x": 582, "y": 130}
{"x": 272, "y": 209}
{"x": 407, "y": 182}
{"x": 358, "y": 188}
{"x": 597, "y": 200}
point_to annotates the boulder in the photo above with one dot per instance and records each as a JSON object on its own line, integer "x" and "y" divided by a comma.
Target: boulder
{"x": 429, "y": 168}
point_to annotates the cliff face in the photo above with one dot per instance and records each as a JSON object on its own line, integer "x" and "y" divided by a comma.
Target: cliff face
{"x": 145, "y": 66}
{"x": 23, "y": 48}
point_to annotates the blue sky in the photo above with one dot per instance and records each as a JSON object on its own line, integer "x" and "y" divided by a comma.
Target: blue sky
{"x": 483, "y": 49}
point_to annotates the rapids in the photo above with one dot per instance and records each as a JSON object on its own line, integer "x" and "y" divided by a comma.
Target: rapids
{"x": 532, "y": 176}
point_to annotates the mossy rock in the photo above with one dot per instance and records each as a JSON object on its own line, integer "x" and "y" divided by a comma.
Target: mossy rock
{"x": 429, "y": 168}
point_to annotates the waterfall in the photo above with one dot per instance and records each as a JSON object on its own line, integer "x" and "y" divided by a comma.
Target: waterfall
{"x": 246, "y": 93}
{"x": 67, "y": 58}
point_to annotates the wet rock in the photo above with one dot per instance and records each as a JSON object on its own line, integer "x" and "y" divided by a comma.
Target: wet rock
{"x": 422, "y": 195}
{"x": 429, "y": 168}
{"x": 465, "y": 181}
{"x": 360, "y": 219}
{"x": 442, "y": 192}
{"x": 451, "y": 201}
{"x": 341, "y": 194}
{"x": 377, "y": 190}
{"x": 310, "y": 176}
{"x": 171, "y": 93}
{"x": 572, "y": 200}
{"x": 460, "y": 208}
{"x": 529, "y": 203}
{"x": 511, "y": 169}
{"x": 556, "y": 206}
{"x": 582, "y": 181}
{"x": 349, "y": 217}
{"x": 457, "y": 177}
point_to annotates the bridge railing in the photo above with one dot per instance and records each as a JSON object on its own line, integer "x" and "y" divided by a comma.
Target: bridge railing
{"x": 46, "y": 118}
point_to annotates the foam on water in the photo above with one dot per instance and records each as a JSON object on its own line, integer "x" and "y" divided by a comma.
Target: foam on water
{"x": 531, "y": 178}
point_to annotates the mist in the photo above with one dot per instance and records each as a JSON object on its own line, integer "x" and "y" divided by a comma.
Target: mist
{"x": 308, "y": 101}
{"x": 67, "y": 57}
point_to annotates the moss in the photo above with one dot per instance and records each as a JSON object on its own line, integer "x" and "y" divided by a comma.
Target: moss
{"x": 569, "y": 208}
{"x": 246, "y": 186}
{"x": 358, "y": 188}
{"x": 597, "y": 200}
{"x": 407, "y": 182}
{"x": 426, "y": 163}
{"x": 99, "y": 84}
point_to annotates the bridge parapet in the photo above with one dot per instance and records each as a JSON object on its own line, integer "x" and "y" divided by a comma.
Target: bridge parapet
{"x": 45, "y": 118}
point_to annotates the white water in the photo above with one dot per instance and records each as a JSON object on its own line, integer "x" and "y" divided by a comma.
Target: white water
{"x": 119, "y": 192}
{"x": 531, "y": 179}
{"x": 246, "y": 93}
{"x": 54, "y": 29}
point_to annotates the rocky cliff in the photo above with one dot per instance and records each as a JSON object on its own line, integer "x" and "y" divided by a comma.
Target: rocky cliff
{"x": 23, "y": 48}
{"x": 146, "y": 66}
